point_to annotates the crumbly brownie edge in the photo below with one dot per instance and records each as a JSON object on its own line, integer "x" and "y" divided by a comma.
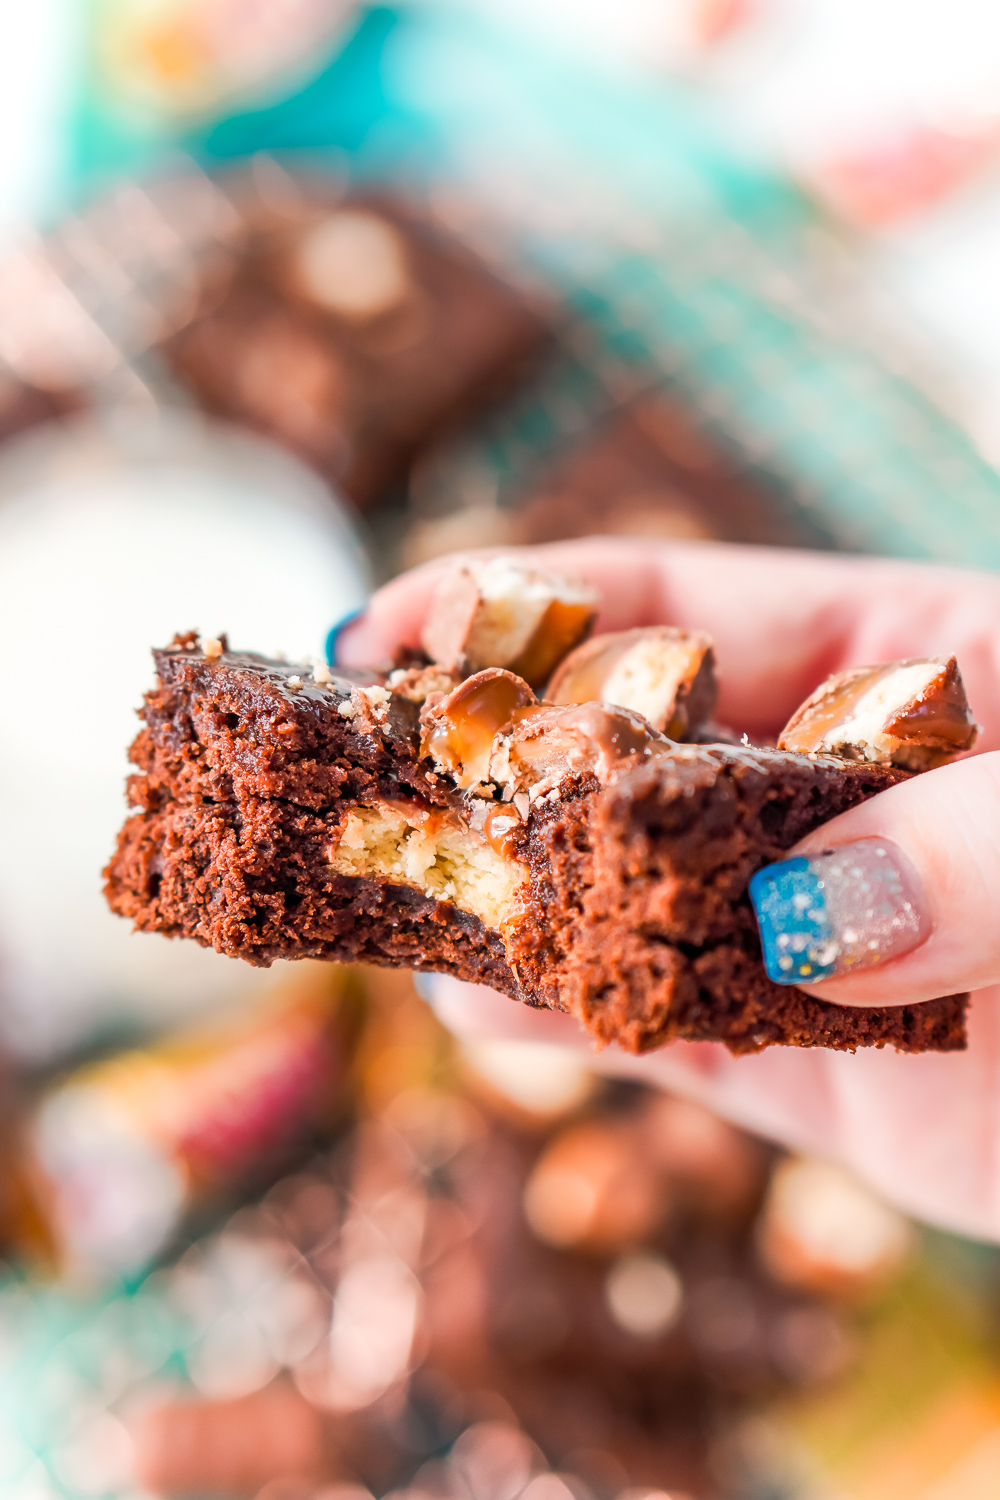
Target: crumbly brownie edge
{"x": 218, "y": 730}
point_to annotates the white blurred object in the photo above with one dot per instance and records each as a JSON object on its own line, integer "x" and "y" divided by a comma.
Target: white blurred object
{"x": 114, "y": 534}
{"x": 638, "y": 36}
{"x": 97, "y": 1458}
{"x": 822, "y": 1230}
{"x": 548, "y": 1487}
{"x": 644, "y": 1294}
{"x": 374, "y": 1321}
{"x": 538, "y": 1077}
{"x": 496, "y": 1461}
{"x": 813, "y": 75}
{"x": 40, "y": 48}
{"x": 354, "y": 263}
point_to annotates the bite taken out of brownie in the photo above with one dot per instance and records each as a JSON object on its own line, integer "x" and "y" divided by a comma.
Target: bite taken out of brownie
{"x": 570, "y": 855}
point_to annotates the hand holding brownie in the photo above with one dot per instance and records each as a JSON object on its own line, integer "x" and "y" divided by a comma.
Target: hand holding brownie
{"x": 783, "y": 621}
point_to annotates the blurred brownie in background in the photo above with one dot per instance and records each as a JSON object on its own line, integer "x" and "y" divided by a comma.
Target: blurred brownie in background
{"x": 354, "y": 332}
{"x": 559, "y": 464}
{"x": 23, "y": 406}
{"x": 652, "y": 468}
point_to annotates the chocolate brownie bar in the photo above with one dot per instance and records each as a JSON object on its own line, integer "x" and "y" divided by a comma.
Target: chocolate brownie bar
{"x": 287, "y": 813}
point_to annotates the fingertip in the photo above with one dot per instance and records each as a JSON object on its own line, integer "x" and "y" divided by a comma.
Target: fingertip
{"x": 934, "y": 934}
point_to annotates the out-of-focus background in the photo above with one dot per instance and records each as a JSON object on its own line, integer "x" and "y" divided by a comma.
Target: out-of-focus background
{"x": 293, "y": 294}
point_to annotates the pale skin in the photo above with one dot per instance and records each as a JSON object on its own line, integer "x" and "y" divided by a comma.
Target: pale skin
{"x": 924, "y": 1130}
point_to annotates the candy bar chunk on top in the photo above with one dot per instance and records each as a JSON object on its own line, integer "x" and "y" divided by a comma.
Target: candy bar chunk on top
{"x": 492, "y": 736}
{"x": 665, "y": 674}
{"x": 910, "y": 714}
{"x": 502, "y": 614}
{"x": 498, "y": 613}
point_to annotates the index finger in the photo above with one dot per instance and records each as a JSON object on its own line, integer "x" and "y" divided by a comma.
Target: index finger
{"x": 782, "y": 619}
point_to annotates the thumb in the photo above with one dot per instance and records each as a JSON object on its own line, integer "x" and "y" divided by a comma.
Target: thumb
{"x": 896, "y": 901}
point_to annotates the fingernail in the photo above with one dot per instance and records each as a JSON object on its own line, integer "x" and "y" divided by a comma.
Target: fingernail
{"x": 831, "y": 913}
{"x": 336, "y": 631}
{"x": 425, "y": 986}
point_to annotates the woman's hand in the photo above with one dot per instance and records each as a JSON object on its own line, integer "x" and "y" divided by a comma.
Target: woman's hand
{"x": 925, "y": 1130}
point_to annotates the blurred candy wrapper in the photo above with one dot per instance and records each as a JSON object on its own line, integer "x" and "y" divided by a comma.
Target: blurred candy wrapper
{"x": 114, "y": 1161}
{"x": 195, "y": 59}
{"x": 904, "y": 172}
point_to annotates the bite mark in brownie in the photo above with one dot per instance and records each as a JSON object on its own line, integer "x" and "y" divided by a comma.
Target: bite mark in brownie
{"x": 284, "y": 817}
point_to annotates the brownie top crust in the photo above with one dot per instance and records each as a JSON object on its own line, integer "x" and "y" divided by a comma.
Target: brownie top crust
{"x": 237, "y": 724}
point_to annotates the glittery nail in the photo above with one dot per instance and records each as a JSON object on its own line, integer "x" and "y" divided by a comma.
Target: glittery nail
{"x": 832, "y": 913}
{"x": 336, "y": 631}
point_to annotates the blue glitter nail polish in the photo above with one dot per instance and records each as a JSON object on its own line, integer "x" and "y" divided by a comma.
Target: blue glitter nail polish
{"x": 834, "y": 912}
{"x": 425, "y": 985}
{"x": 336, "y": 631}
